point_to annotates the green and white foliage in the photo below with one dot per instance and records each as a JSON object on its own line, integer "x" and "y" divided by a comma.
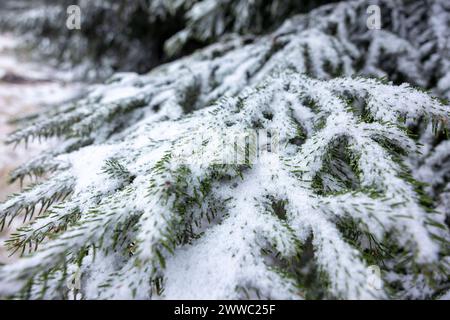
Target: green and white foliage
{"x": 147, "y": 220}
{"x": 139, "y": 204}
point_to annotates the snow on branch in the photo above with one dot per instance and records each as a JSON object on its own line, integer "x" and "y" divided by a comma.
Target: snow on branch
{"x": 178, "y": 224}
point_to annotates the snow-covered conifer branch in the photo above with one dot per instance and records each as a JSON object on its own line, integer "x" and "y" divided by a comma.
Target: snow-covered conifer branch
{"x": 154, "y": 185}
{"x": 150, "y": 196}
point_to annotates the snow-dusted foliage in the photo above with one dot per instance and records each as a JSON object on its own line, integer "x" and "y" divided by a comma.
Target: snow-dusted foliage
{"x": 154, "y": 212}
{"x": 142, "y": 200}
